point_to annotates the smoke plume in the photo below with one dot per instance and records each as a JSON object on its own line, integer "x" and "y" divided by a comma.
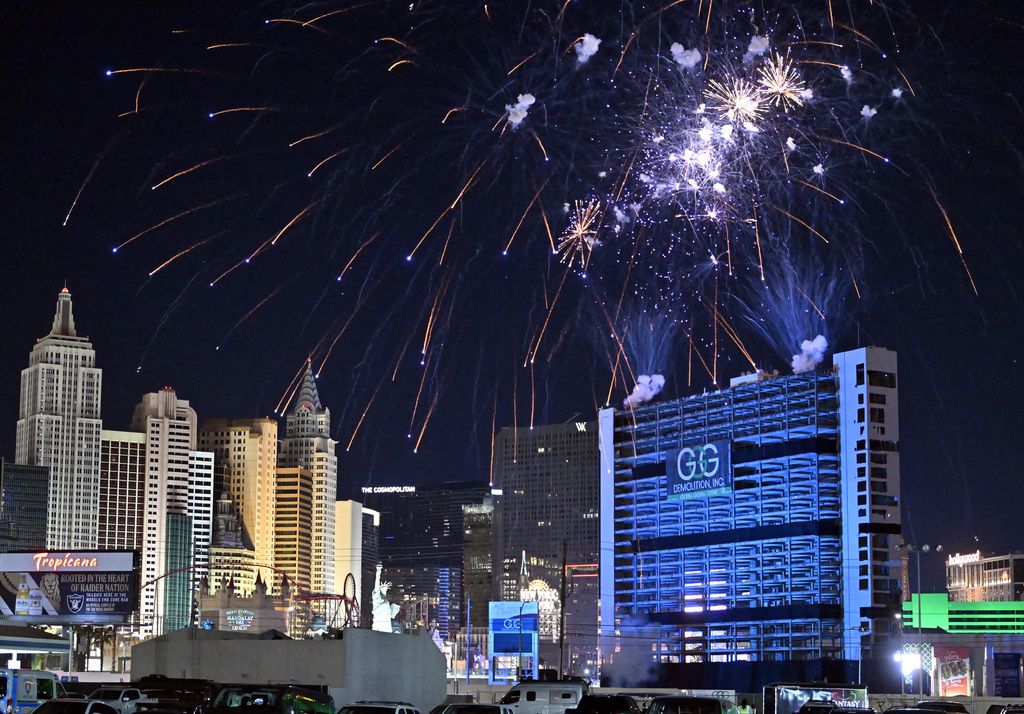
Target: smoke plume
{"x": 811, "y": 354}
{"x": 645, "y": 390}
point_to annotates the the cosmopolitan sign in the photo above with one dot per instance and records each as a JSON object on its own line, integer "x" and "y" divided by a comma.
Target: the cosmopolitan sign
{"x": 699, "y": 471}
{"x": 62, "y": 587}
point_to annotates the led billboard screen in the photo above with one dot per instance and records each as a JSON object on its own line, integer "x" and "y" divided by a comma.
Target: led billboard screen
{"x": 79, "y": 587}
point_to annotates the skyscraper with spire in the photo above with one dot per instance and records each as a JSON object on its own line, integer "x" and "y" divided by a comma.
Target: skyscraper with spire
{"x": 308, "y": 444}
{"x": 59, "y": 428}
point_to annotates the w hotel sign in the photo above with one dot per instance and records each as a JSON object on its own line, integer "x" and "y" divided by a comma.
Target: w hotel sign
{"x": 699, "y": 470}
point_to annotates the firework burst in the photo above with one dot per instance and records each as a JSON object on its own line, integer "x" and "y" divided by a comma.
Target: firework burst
{"x": 417, "y": 163}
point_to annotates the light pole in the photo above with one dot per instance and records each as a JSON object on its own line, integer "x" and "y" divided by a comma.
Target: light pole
{"x": 903, "y": 675}
{"x": 917, "y": 550}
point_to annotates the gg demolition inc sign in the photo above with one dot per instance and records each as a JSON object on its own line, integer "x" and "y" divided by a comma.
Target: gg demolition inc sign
{"x": 699, "y": 471}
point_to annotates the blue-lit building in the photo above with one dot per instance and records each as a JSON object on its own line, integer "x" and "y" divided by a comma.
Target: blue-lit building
{"x": 753, "y": 529}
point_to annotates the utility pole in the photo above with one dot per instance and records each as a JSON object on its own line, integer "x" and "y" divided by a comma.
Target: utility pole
{"x": 561, "y": 615}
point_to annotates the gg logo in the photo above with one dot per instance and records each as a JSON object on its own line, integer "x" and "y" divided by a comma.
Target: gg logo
{"x": 702, "y": 460}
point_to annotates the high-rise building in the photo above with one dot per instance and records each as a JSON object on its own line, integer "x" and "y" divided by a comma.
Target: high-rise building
{"x": 200, "y": 509}
{"x": 547, "y": 495}
{"x": 122, "y": 506}
{"x": 23, "y": 502}
{"x": 478, "y": 577}
{"x": 307, "y": 443}
{"x": 422, "y": 546}
{"x": 174, "y": 494}
{"x": 245, "y": 466}
{"x": 59, "y": 428}
{"x": 750, "y": 533}
{"x": 293, "y": 525}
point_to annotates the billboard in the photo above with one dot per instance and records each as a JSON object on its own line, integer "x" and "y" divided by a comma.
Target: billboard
{"x": 513, "y": 640}
{"x": 80, "y": 587}
{"x": 954, "y": 671}
{"x": 699, "y": 470}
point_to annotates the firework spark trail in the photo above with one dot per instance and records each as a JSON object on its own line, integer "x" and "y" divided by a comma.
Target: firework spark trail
{"x": 475, "y": 130}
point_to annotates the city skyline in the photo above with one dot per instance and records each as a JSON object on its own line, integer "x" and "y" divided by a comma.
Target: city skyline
{"x": 959, "y": 354}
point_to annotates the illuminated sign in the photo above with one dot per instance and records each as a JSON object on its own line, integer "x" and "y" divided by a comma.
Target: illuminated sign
{"x": 239, "y": 620}
{"x": 699, "y": 471}
{"x": 964, "y": 559}
{"x": 91, "y": 587}
{"x": 389, "y": 489}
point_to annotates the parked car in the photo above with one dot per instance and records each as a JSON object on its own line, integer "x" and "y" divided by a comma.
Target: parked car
{"x": 942, "y": 705}
{"x": 269, "y": 699}
{"x": 605, "y": 704}
{"x": 689, "y": 704}
{"x": 122, "y": 699}
{"x": 65, "y": 705}
{"x": 364, "y": 707}
{"x": 166, "y": 695}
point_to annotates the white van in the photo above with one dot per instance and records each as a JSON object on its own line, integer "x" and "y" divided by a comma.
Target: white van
{"x": 28, "y": 688}
{"x": 545, "y": 697}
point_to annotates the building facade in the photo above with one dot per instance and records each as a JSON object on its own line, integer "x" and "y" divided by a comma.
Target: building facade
{"x": 59, "y": 428}
{"x": 232, "y": 562}
{"x": 173, "y": 495}
{"x": 993, "y": 578}
{"x": 422, "y": 547}
{"x": 245, "y": 469}
{"x": 307, "y": 444}
{"x": 293, "y": 526}
{"x": 751, "y": 531}
{"x": 546, "y": 491}
{"x": 24, "y": 498}
{"x": 122, "y": 507}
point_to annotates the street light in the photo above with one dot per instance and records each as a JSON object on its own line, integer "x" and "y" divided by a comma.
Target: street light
{"x": 917, "y": 550}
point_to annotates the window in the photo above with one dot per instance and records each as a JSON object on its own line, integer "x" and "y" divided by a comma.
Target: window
{"x": 881, "y": 379}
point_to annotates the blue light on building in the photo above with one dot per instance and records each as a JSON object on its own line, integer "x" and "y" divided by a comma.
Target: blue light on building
{"x": 754, "y": 528}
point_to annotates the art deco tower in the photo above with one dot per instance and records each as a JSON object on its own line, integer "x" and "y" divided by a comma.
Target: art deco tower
{"x": 308, "y": 444}
{"x": 59, "y": 428}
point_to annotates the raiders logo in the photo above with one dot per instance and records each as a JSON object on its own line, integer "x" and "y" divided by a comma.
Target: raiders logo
{"x": 75, "y": 602}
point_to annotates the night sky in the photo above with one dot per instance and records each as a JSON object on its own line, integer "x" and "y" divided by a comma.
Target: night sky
{"x": 961, "y": 355}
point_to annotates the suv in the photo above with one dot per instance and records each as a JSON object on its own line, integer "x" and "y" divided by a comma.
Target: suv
{"x": 124, "y": 700}
{"x": 379, "y": 708}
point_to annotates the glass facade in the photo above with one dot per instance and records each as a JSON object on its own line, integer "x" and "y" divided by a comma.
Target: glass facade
{"x": 741, "y": 526}
{"x": 178, "y": 590}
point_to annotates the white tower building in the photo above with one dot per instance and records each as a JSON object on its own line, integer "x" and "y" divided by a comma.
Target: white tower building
{"x": 59, "y": 428}
{"x": 179, "y": 510}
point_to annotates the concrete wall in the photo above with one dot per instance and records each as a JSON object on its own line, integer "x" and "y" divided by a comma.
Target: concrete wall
{"x": 362, "y": 665}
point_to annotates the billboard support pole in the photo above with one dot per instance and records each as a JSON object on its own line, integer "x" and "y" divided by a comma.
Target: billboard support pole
{"x": 561, "y": 616}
